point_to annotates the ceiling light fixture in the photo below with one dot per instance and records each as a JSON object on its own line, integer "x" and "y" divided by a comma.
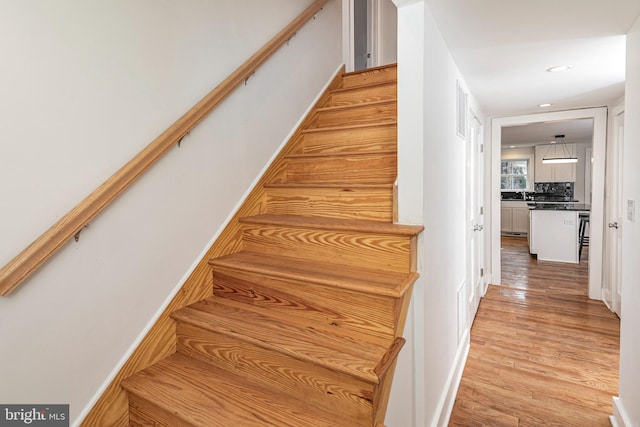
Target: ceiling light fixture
{"x": 559, "y": 69}
{"x": 567, "y": 158}
{"x": 544, "y": 105}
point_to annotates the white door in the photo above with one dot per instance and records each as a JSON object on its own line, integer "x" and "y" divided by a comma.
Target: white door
{"x": 362, "y": 34}
{"x": 474, "y": 217}
{"x": 613, "y": 237}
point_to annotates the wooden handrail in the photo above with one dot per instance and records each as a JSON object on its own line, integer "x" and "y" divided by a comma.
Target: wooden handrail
{"x": 34, "y": 255}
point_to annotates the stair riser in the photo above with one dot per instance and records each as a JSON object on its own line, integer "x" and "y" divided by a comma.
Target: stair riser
{"x": 309, "y": 302}
{"x": 360, "y": 114}
{"x": 320, "y": 386}
{"x": 370, "y": 168}
{"x": 371, "y": 204}
{"x": 386, "y": 92}
{"x": 377, "y": 75}
{"x": 359, "y": 139}
{"x": 143, "y": 413}
{"x": 379, "y": 251}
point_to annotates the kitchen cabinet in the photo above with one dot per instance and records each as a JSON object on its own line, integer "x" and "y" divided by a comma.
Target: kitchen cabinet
{"x": 506, "y": 219}
{"x": 520, "y": 220}
{"x": 514, "y": 217}
{"x": 556, "y": 172}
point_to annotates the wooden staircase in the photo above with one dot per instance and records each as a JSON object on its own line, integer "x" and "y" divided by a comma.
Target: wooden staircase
{"x": 303, "y": 325}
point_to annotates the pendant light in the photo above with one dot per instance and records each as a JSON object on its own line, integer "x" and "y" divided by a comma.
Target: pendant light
{"x": 566, "y": 158}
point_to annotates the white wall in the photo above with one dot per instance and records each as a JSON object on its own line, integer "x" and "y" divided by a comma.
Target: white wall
{"x": 407, "y": 392}
{"x": 627, "y": 408}
{"x": 85, "y": 86}
{"x": 386, "y": 40}
{"x": 431, "y": 192}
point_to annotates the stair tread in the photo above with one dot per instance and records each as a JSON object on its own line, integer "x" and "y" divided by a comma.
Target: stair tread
{"x": 307, "y": 184}
{"x": 352, "y": 353}
{"x": 356, "y": 106}
{"x": 341, "y": 154}
{"x": 338, "y": 224}
{"x": 377, "y": 282}
{"x": 204, "y": 395}
{"x": 369, "y": 70}
{"x": 354, "y": 126}
{"x": 364, "y": 86}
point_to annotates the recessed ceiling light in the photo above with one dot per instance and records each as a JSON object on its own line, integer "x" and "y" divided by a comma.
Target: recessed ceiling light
{"x": 558, "y": 68}
{"x": 512, "y": 146}
{"x": 544, "y": 105}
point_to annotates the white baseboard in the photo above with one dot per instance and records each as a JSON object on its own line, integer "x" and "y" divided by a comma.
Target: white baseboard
{"x": 619, "y": 417}
{"x": 453, "y": 382}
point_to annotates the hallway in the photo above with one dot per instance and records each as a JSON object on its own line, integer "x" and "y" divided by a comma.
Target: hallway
{"x": 541, "y": 353}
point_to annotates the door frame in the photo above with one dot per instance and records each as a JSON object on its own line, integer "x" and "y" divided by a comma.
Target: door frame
{"x": 599, "y": 116}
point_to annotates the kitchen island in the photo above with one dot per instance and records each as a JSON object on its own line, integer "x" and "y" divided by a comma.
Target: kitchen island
{"x": 553, "y": 231}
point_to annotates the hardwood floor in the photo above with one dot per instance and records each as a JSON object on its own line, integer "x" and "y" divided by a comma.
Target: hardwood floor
{"x": 541, "y": 353}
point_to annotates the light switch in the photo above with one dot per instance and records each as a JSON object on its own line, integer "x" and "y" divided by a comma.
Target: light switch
{"x": 631, "y": 210}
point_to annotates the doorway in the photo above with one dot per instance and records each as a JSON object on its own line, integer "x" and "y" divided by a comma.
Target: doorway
{"x": 599, "y": 116}
{"x": 527, "y": 180}
{"x": 361, "y": 34}
{"x": 370, "y": 33}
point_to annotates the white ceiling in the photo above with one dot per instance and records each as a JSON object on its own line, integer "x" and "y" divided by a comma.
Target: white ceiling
{"x": 503, "y": 48}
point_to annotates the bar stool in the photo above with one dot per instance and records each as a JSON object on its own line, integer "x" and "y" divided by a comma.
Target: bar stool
{"x": 582, "y": 239}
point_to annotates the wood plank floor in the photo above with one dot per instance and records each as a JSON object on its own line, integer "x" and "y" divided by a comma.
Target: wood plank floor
{"x": 541, "y": 353}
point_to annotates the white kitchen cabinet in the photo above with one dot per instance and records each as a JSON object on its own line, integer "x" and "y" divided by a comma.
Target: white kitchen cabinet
{"x": 506, "y": 219}
{"x": 520, "y": 220}
{"x": 555, "y": 172}
{"x": 514, "y": 217}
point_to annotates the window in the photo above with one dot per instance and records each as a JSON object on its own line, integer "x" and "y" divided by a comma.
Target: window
{"x": 514, "y": 174}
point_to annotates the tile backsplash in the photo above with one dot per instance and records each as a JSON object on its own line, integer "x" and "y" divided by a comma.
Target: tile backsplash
{"x": 559, "y": 189}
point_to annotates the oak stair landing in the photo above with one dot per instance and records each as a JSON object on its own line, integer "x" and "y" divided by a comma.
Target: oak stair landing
{"x": 303, "y": 325}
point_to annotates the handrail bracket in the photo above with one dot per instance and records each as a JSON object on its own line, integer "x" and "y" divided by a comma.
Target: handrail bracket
{"x": 182, "y": 137}
{"x": 76, "y": 237}
{"x": 248, "y": 77}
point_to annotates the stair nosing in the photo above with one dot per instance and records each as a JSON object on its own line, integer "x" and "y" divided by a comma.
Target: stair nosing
{"x": 356, "y": 105}
{"x": 347, "y": 127}
{"x": 355, "y": 225}
{"x": 406, "y": 280}
{"x": 364, "y": 86}
{"x": 330, "y": 185}
{"x": 340, "y": 154}
{"x": 369, "y": 70}
{"x": 183, "y": 315}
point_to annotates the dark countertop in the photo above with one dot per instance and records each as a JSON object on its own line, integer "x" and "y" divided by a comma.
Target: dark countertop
{"x": 561, "y": 207}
